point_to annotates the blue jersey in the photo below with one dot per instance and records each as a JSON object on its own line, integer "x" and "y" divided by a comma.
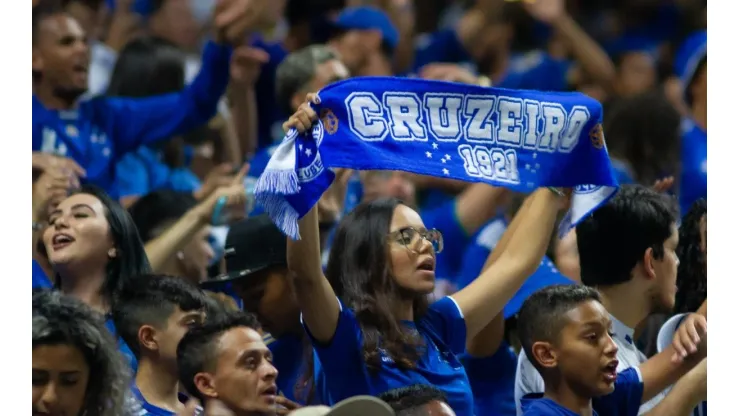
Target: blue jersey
{"x": 141, "y": 407}
{"x": 625, "y": 400}
{"x": 269, "y": 114}
{"x": 443, "y": 330}
{"x": 40, "y": 280}
{"x": 99, "y": 131}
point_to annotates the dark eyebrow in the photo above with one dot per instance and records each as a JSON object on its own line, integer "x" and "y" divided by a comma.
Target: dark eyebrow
{"x": 77, "y": 206}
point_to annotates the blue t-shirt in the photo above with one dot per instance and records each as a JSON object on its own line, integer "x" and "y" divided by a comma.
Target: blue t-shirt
{"x": 288, "y": 356}
{"x": 443, "y": 331}
{"x": 693, "y": 165}
{"x": 492, "y": 381}
{"x": 625, "y": 400}
{"x": 143, "y": 171}
{"x": 444, "y": 219}
{"x": 40, "y": 280}
{"x": 101, "y": 130}
{"x": 533, "y": 70}
{"x": 144, "y": 408}
{"x": 122, "y": 346}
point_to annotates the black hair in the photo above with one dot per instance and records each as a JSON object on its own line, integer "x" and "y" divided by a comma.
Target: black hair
{"x": 43, "y": 10}
{"x": 692, "y": 269}
{"x": 63, "y": 320}
{"x": 197, "y": 351}
{"x": 541, "y": 317}
{"x": 145, "y": 67}
{"x": 151, "y": 300}
{"x": 359, "y": 271}
{"x": 91, "y": 4}
{"x": 613, "y": 239}
{"x": 645, "y": 131}
{"x": 410, "y": 400}
{"x": 131, "y": 259}
{"x": 301, "y": 11}
{"x": 158, "y": 209}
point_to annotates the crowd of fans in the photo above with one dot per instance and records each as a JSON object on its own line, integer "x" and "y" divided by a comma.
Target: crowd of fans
{"x": 162, "y": 288}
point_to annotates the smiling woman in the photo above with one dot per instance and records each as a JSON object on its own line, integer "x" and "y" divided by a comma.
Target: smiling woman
{"x": 94, "y": 248}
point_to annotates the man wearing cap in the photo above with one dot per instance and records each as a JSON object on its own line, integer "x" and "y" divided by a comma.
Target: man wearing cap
{"x": 691, "y": 68}
{"x": 366, "y": 39}
{"x": 258, "y": 275}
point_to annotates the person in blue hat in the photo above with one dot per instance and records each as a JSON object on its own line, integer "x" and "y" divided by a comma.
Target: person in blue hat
{"x": 691, "y": 68}
{"x": 95, "y": 133}
{"x": 366, "y": 39}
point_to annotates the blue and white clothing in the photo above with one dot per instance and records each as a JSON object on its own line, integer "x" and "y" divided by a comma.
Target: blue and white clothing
{"x": 529, "y": 381}
{"x": 443, "y": 331}
{"x": 693, "y": 165}
{"x": 623, "y": 401}
{"x": 101, "y": 130}
{"x": 665, "y": 338}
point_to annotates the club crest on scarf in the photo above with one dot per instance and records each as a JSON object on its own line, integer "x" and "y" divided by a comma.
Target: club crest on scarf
{"x": 518, "y": 139}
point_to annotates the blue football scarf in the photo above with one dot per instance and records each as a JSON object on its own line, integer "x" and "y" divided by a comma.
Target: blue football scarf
{"x": 516, "y": 139}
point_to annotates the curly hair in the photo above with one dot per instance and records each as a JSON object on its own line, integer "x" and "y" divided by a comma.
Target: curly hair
{"x": 58, "y": 320}
{"x": 692, "y": 269}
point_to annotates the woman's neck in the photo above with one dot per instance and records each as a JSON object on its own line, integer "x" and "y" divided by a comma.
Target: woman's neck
{"x": 86, "y": 287}
{"x": 404, "y": 311}
{"x": 563, "y": 395}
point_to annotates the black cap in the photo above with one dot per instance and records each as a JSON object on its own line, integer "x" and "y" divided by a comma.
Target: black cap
{"x": 252, "y": 245}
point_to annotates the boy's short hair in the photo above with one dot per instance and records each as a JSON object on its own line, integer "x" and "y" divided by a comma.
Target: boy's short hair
{"x": 151, "y": 300}
{"x": 410, "y": 400}
{"x": 613, "y": 239}
{"x": 542, "y": 316}
{"x": 196, "y": 352}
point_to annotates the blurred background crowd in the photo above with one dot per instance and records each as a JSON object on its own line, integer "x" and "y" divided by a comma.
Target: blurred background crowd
{"x": 153, "y": 119}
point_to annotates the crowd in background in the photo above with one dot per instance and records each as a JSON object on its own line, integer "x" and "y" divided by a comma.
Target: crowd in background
{"x": 153, "y": 119}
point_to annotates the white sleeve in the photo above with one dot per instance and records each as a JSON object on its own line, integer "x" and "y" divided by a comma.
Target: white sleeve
{"x": 528, "y": 381}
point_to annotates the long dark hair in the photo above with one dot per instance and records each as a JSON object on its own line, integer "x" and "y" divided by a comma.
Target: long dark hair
{"x": 131, "y": 259}
{"x": 692, "y": 269}
{"x": 360, "y": 273}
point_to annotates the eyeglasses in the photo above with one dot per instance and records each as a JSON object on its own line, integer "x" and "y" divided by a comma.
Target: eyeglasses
{"x": 411, "y": 238}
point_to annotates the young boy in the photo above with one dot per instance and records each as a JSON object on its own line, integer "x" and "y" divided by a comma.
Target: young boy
{"x": 567, "y": 334}
{"x": 152, "y": 314}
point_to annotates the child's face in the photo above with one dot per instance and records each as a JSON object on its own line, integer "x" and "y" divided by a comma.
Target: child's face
{"x": 585, "y": 354}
